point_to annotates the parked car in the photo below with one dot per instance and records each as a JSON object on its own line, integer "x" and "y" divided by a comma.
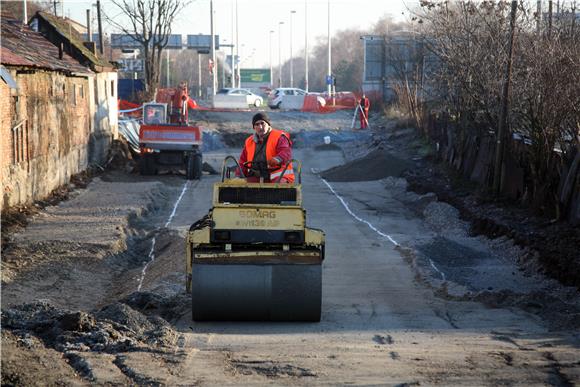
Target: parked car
{"x": 283, "y": 97}
{"x": 251, "y": 98}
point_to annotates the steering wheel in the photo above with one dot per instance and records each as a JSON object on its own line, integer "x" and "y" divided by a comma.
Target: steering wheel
{"x": 248, "y": 165}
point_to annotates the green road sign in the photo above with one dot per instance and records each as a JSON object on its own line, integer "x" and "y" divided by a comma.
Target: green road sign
{"x": 255, "y": 75}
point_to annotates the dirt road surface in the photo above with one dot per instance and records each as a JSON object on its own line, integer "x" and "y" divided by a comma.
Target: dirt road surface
{"x": 93, "y": 290}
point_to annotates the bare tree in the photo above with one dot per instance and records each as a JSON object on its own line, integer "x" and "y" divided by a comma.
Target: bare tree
{"x": 149, "y": 24}
{"x": 406, "y": 59}
{"x": 471, "y": 42}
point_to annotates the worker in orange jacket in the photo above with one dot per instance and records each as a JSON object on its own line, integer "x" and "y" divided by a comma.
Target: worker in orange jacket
{"x": 267, "y": 153}
{"x": 179, "y": 106}
{"x": 365, "y": 105}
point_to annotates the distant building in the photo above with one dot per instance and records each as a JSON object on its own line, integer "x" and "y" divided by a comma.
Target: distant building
{"x": 393, "y": 61}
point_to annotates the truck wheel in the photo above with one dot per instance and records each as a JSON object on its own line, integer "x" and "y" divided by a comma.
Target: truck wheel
{"x": 197, "y": 166}
{"x": 147, "y": 165}
{"x": 194, "y": 165}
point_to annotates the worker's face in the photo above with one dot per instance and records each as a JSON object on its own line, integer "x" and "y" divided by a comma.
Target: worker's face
{"x": 261, "y": 128}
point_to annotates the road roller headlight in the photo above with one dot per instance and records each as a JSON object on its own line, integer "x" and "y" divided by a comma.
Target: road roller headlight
{"x": 292, "y": 236}
{"x": 222, "y": 235}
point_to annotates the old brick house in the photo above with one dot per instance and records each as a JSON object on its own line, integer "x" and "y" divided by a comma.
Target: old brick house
{"x": 46, "y": 120}
{"x": 103, "y": 87}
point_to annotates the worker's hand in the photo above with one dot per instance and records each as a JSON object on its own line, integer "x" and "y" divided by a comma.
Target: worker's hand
{"x": 273, "y": 163}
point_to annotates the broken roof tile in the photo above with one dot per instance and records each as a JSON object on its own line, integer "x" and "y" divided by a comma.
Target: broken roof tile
{"x": 21, "y": 46}
{"x": 69, "y": 33}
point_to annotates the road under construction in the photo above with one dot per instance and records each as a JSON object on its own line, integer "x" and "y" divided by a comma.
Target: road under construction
{"x": 94, "y": 288}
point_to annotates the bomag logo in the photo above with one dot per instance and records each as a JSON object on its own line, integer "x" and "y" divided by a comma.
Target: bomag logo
{"x": 251, "y": 214}
{"x": 257, "y": 219}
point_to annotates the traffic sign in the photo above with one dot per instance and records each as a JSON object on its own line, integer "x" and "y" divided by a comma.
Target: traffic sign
{"x": 131, "y": 65}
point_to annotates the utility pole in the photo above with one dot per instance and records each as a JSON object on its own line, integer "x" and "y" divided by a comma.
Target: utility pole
{"x": 501, "y": 137}
{"x": 549, "y": 19}
{"x": 224, "y": 62}
{"x": 234, "y": 43}
{"x": 306, "y": 45}
{"x": 538, "y": 16}
{"x": 329, "y": 73}
{"x": 101, "y": 49}
{"x": 213, "y": 58}
{"x": 271, "y": 80}
{"x": 238, "y": 80}
{"x": 291, "y": 59}
{"x": 198, "y": 75}
{"x": 280, "y": 54}
{"x": 167, "y": 63}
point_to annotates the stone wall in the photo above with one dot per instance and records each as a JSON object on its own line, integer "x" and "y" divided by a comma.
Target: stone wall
{"x": 51, "y": 142}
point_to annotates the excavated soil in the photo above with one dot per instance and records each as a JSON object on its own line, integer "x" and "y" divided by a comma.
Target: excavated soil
{"x": 553, "y": 246}
{"x": 378, "y": 164}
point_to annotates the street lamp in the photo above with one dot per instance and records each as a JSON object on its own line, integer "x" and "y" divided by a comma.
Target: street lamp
{"x": 234, "y": 44}
{"x": 271, "y": 81}
{"x": 291, "y": 59}
{"x": 306, "y": 44}
{"x": 241, "y": 60}
{"x": 238, "y": 81}
{"x": 329, "y": 73}
{"x": 280, "y": 54}
{"x": 213, "y": 53}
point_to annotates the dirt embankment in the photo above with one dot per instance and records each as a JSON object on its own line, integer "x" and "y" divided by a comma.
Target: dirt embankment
{"x": 552, "y": 247}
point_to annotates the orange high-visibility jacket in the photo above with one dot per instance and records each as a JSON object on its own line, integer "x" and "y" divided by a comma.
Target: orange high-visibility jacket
{"x": 273, "y": 138}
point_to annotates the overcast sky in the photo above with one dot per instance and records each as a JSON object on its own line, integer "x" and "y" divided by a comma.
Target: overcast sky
{"x": 256, "y": 18}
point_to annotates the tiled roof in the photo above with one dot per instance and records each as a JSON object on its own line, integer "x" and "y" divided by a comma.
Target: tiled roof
{"x": 71, "y": 35}
{"x": 21, "y": 46}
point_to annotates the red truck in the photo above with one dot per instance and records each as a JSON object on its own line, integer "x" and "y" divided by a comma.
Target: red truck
{"x": 166, "y": 140}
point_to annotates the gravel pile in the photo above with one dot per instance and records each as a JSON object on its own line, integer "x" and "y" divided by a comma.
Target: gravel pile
{"x": 443, "y": 217}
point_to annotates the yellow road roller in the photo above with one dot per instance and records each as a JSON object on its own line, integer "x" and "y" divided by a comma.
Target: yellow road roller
{"x": 252, "y": 256}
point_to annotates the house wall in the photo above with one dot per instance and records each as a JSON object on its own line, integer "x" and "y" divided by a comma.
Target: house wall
{"x": 52, "y": 143}
{"x": 104, "y": 108}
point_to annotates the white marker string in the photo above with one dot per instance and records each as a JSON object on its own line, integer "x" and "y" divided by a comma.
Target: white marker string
{"x": 357, "y": 218}
{"x": 185, "y": 186}
{"x": 437, "y": 270}
{"x": 151, "y": 255}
